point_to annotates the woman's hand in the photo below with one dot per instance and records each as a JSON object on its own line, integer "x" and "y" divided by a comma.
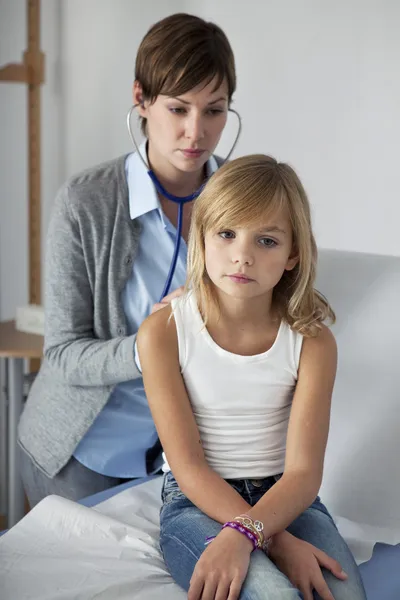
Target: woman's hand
{"x": 167, "y": 299}
{"x": 222, "y": 568}
{"x": 301, "y": 562}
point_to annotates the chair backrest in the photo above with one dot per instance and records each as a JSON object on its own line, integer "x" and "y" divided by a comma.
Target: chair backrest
{"x": 362, "y": 465}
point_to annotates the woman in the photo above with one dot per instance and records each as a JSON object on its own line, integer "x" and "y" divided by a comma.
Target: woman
{"x": 87, "y": 426}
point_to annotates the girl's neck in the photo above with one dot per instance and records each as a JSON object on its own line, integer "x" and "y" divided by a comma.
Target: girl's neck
{"x": 176, "y": 182}
{"x": 244, "y": 314}
{"x": 246, "y": 328}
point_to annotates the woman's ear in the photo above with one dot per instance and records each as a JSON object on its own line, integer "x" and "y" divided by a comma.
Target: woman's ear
{"x": 138, "y": 101}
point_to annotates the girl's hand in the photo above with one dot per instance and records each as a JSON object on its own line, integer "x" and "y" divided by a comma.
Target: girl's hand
{"x": 222, "y": 568}
{"x": 167, "y": 299}
{"x": 301, "y": 562}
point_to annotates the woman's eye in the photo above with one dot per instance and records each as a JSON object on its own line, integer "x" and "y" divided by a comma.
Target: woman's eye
{"x": 215, "y": 111}
{"x": 177, "y": 110}
{"x": 227, "y": 235}
{"x": 268, "y": 242}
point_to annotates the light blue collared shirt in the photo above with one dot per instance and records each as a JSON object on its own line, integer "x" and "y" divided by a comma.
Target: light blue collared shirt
{"x": 116, "y": 443}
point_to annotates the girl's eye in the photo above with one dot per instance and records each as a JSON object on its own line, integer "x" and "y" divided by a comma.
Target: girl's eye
{"x": 268, "y": 242}
{"x": 227, "y": 235}
{"x": 215, "y": 111}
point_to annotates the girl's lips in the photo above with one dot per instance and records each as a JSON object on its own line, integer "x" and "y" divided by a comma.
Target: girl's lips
{"x": 240, "y": 278}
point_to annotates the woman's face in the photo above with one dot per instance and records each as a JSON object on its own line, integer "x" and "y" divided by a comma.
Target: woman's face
{"x": 185, "y": 130}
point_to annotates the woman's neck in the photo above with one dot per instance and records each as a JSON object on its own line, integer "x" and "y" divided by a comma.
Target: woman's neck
{"x": 176, "y": 182}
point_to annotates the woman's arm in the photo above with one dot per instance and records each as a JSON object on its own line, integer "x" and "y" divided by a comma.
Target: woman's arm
{"x": 306, "y": 438}
{"x": 71, "y": 349}
{"x": 173, "y": 416}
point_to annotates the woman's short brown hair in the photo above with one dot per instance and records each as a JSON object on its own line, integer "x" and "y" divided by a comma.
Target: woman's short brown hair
{"x": 181, "y": 52}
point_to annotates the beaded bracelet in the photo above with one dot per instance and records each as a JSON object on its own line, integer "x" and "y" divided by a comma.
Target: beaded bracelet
{"x": 264, "y": 547}
{"x": 243, "y": 530}
{"x": 256, "y": 527}
{"x": 253, "y": 529}
{"x": 247, "y": 520}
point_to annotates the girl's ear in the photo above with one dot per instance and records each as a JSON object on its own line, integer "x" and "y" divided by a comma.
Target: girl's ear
{"x": 292, "y": 260}
{"x": 137, "y": 94}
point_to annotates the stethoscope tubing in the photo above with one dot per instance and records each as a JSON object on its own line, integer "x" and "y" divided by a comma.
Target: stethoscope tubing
{"x": 180, "y": 200}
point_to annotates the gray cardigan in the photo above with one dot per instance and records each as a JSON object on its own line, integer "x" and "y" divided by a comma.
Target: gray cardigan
{"x": 91, "y": 245}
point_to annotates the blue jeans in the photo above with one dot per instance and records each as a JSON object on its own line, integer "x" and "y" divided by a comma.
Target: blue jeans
{"x": 184, "y": 529}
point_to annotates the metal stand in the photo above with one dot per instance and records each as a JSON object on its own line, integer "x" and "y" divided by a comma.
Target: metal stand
{"x": 16, "y": 498}
{"x": 3, "y": 435}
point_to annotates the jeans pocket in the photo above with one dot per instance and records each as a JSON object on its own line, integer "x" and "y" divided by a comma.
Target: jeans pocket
{"x": 170, "y": 489}
{"x": 318, "y": 505}
{"x": 236, "y": 484}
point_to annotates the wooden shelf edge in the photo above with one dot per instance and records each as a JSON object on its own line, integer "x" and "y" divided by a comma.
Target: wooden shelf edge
{"x": 17, "y": 73}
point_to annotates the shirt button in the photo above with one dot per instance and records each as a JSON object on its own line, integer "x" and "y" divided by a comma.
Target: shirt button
{"x": 128, "y": 259}
{"x": 120, "y": 331}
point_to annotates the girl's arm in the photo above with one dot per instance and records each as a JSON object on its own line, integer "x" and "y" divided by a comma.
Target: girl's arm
{"x": 179, "y": 435}
{"x": 306, "y": 438}
{"x": 173, "y": 416}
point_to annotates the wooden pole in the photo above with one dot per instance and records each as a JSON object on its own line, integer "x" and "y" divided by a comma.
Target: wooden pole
{"x": 31, "y": 72}
{"x": 34, "y": 62}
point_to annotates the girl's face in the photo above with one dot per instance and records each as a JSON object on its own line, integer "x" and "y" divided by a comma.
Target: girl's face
{"x": 248, "y": 262}
{"x": 185, "y": 130}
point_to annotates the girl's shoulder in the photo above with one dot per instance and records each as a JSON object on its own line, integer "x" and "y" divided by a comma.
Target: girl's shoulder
{"x": 324, "y": 337}
{"x": 157, "y": 334}
{"x": 164, "y": 326}
{"x": 321, "y": 347}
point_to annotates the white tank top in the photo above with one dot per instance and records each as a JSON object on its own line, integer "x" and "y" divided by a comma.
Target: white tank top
{"x": 241, "y": 403}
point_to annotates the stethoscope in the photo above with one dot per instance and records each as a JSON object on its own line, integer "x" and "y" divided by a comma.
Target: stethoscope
{"x": 180, "y": 200}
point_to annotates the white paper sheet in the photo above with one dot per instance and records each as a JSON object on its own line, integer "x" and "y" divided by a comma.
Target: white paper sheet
{"x": 64, "y": 551}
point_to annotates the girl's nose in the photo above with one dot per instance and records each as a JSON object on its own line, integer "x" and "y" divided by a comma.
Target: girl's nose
{"x": 242, "y": 254}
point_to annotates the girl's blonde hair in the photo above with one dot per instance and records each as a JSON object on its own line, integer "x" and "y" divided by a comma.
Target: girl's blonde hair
{"x": 241, "y": 193}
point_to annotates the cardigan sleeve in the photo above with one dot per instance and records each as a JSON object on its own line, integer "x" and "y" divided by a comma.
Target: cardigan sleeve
{"x": 72, "y": 351}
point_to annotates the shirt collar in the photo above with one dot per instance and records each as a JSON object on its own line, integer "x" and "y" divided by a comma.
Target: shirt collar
{"x": 143, "y": 197}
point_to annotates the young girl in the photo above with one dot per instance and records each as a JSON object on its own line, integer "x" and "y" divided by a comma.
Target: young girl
{"x": 239, "y": 375}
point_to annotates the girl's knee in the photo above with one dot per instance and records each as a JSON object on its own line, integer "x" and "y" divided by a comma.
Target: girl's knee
{"x": 257, "y": 591}
{"x": 350, "y": 589}
{"x": 265, "y": 581}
